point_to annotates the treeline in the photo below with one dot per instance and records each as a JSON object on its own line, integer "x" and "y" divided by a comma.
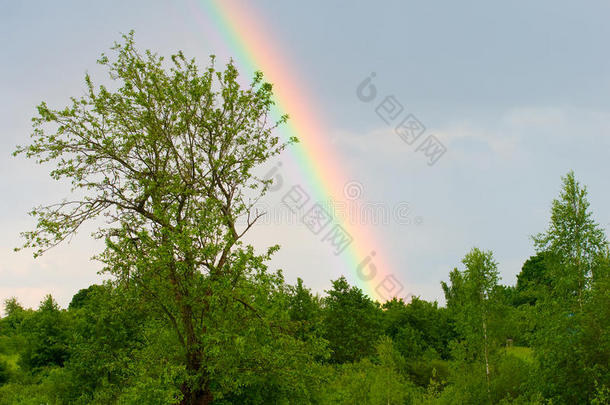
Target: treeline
{"x": 545, "y": 340}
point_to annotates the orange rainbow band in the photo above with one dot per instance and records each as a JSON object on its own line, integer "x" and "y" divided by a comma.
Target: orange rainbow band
{"x": 252, "y": 50}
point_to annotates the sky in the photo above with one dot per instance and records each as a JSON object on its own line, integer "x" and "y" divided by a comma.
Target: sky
{"x": 517, "y": 93}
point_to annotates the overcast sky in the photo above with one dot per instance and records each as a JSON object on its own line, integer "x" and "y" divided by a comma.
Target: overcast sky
{"x": 518, "y": 93}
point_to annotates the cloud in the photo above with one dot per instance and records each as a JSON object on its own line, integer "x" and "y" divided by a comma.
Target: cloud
{"x": 480, "y": 140}
{"x": 535, "y": 117}
{"x": 460, "y": 136}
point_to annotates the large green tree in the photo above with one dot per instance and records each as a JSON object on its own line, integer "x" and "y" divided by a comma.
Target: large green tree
{"x": 473, "y": 300}
{"x": 352, "y": 322}
{"x": 574, "y": 243}
{"x": 305, "y": 310}
{"x": 573, "y": 337}
{"x": 45, "y": 333}
{"x": 165, "y": 154}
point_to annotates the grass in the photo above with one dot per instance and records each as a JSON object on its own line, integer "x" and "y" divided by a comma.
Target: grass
{"x": 523, "y": 353}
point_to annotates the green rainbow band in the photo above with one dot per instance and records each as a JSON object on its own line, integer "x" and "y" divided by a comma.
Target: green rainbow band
{"x": 252, "y": 51}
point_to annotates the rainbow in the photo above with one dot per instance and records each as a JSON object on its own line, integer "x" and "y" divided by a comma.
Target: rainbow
{"x": 240, "y": 29}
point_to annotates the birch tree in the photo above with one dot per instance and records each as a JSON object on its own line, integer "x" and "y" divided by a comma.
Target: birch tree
{"x": 472, "y": 299}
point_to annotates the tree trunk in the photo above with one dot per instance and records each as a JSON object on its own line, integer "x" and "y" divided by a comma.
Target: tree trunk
{"x": 201, "y": 396}
{"x": 486, "y": 357}
{"x": 199, "y": 393}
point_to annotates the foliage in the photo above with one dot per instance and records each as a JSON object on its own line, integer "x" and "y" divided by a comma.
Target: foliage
{"x": 46, "y": 337}
{"x": 474, "y": 299}
{"x": 371, "y": 382}
{"x": 573, "y": 327}
{"x": 352, "y": 322}
{"x": 167, "y": 158}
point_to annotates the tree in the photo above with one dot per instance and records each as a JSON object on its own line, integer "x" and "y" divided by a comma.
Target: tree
{"x": 305, "y": 310}
{"x": 15, "y": 314}
{"x": 417, "y": 327}
{"x": 167, "y": 158}
{"x": 453, "y": 289}
{"x": 574, "y": 243}
{"x": 389, "y": 385}
{"x": 534, "y": 281}
{"x": 111, "y": 328}
{"x": 473, "y": 302}
{"x": 534, "y": 273}
{"x": 352, "y": 322}
{"x": 371, "y": 381}
{"x": 45, "y": 333}
{"x": 573, "y": 320}
{"x": 84, "y": 295}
